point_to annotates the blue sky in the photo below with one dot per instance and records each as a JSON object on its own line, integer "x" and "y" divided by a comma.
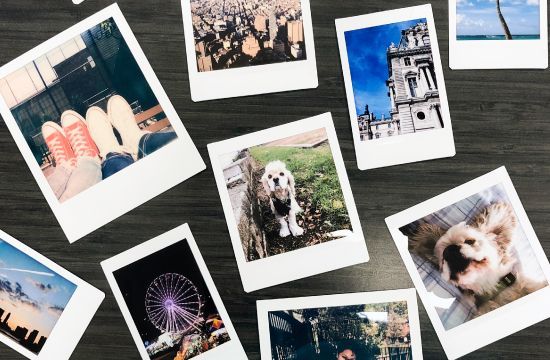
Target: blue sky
{"x": 368, "y": 64}
{"x": 33, "y": 294}
{"x": 479, "y": 17}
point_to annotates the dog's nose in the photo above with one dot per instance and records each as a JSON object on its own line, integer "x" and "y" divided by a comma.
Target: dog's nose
{"x": 276, "y": 180}
{"x": 455, "y": 260}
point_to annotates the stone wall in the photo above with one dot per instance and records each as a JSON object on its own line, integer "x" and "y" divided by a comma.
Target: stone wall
{"x": 242, "y": 187}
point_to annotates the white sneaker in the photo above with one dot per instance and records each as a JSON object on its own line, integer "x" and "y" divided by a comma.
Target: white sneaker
{"x": 102, "y": 132}
{"x": 122, "y": 118}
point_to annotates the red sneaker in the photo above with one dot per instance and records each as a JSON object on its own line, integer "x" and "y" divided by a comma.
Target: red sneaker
{"x": 78, "y": 135}
{"x": 57, "y": 143}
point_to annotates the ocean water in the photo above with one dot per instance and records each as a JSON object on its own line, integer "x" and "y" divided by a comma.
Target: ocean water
{"x": 497, "y": 37}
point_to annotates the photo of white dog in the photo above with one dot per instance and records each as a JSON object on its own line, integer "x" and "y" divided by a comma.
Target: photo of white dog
{"x": 279, "y": 184}
{"x": 476, "y": 252}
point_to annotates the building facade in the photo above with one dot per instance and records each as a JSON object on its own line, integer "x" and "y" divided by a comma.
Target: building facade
{"x": 412, "y": 89}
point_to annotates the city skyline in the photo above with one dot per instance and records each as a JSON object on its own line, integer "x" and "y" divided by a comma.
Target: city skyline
{"x": 369, "y": 65}
{"x": 240, "y": 33}
{"x": 32, "y": 297}
{"x": 479, "y": 17}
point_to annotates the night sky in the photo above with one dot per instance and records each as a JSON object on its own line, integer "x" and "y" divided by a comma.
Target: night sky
{"x": 134, "y": 279}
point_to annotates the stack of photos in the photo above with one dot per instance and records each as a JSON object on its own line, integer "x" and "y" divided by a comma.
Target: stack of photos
{"x": 170, "y": 302}
{"x": 90, "y": 118}
{"x": 366, "y": 326}
{"x": 394, "y": 82}
{"x": 227, "y": 35}
{"x": 498, "y": 34}
{"x": 287, "y": 199}
{"x": 40, "y": 303}
{"x": 475, "y": 261}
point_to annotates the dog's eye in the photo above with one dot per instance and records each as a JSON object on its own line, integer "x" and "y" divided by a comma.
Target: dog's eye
{"x": 282, "y": 174}
{"x": 470, "y": 241}
{"x": 269, "y": 176}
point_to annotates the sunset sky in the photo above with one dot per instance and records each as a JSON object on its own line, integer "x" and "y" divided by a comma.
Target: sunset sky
{"x": 33, "y": 294}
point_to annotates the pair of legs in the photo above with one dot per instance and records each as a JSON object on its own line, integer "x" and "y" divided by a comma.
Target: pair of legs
{"x": 290, "y": 227}
{"x": 87, "y": 151}
{"x": 136, "y": 143}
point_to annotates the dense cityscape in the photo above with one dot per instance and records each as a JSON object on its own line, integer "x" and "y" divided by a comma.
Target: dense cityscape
{"x": 238, "y": 33}
{"x": 21, "y": 334}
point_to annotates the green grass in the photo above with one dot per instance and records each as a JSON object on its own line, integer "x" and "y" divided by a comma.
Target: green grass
{"x": 316, "y": 178}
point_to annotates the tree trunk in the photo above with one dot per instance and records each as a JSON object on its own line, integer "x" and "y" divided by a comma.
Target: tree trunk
{"x": 507, "y": 33}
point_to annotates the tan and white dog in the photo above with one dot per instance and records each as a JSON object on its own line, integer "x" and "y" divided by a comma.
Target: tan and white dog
{"x": 279, "y": 185}
{"x": 478, "y": 258}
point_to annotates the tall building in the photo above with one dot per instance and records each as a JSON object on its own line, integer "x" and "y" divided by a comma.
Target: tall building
{"x": 20, "y": 332}
{"x": 272, "y": 26}
{"x": 295, "y": 31}
{"x": 204, "y": 63}
{"x": 32, "y": 337}
{"x": 260, "y": 23}
{"x": 5, "y": 322}
{"x": 412, "y": 85}
{"x": 250, "y": 46}
{"x": 41, "y": 342}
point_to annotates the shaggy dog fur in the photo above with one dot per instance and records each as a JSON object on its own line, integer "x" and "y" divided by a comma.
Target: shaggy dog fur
{"x": 479, "y": 258}
{"x": 279, "y": 184}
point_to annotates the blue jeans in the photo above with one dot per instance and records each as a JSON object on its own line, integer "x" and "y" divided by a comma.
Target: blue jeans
{"x": 149, "y": 143}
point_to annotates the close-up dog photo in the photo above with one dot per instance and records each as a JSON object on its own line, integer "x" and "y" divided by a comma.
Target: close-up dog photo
{"x": 286, "y": 195}
{"x": 474, "y": 256}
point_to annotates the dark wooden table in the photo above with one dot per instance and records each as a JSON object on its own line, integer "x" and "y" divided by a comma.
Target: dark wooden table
{"x": 499, "y": 118}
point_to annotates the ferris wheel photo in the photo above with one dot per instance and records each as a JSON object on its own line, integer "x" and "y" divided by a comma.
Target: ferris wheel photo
{"x": 173, "y": 303}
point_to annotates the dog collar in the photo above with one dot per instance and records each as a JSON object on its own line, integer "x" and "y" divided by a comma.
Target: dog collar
{"x": 282, "y": 206}
{"x": 506, "y": 281}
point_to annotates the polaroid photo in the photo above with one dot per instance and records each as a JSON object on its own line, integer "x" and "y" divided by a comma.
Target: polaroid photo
{"x": 395, "y": 89}
{"x": 170, "y": 302}
{"x": 44, "y": 309}
{"x": 371, "y": 325}
{"x": 489, "y": 34}
{"x": 475, "y": 261}
{"x": 237, "y": 48}
{"x": 287, "y": 202}
{"x": 83, "y": 107}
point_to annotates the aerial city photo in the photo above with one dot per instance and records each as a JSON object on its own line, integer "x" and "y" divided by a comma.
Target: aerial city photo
{"x": 240, "y": 33}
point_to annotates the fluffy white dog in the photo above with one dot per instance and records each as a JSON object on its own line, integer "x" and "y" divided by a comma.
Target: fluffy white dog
{"x": 278, "y": 183}
{"x": 478, "y": 258}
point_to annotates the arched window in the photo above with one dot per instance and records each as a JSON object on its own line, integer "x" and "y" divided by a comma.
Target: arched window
{"x": 407, "y": 61}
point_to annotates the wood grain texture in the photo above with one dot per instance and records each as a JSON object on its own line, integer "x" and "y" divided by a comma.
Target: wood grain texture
{"x": 499, "y": 118}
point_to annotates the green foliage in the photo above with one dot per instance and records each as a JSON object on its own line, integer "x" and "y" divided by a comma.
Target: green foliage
{"x": 316, "y": 178}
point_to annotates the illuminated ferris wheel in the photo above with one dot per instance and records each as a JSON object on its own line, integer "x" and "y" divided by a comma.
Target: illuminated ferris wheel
{"x": 173, "y": 303}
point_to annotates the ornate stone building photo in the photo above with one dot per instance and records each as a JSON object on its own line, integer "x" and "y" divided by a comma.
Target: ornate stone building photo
{"x": 394, "y": 81}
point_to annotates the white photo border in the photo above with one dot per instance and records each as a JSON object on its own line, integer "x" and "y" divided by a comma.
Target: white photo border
{"x": 251, "y": 80}
{"x": 408, "y": 295}
{"x": 402, "y": 149}
{"x": 114, "y": 194}
{"x": 498, "y": 54}
{"x": 494, "y": 325}
{"x": 228, "y": 350}
{"x": 282, "y": 268}
{"x": 74, "y": 320}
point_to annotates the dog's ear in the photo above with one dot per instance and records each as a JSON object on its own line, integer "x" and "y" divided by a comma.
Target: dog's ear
{"x": 291, "y": 183}
{"x": 498, "y": 219}
{"x": 423, "y": 241}
{"x": 264, "y": 182}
